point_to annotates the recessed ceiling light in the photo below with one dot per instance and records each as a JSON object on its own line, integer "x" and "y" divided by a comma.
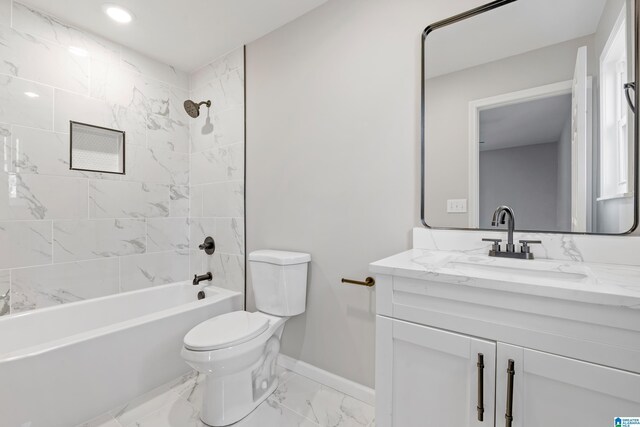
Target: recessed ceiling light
{"x": 117, "y": 13}
{"x": 32, "y": 94}
{"x": 78, "y": 51}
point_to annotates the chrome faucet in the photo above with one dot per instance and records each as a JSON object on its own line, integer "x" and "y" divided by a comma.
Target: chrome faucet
{"x": 502, "y": 215}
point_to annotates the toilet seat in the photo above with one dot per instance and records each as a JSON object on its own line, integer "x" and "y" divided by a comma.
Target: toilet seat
{"x": 226, "y": 331}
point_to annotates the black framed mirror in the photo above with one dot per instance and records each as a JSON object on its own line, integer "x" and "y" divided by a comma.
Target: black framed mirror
{"x": 530, "y": 104}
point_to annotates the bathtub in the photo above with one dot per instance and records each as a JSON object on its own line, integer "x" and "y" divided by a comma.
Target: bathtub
{"x": 63, "y": 365}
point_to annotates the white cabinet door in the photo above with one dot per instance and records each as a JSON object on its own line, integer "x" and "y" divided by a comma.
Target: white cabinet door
{"x": 551, "y": 390}
{"x": 428, "y": 377}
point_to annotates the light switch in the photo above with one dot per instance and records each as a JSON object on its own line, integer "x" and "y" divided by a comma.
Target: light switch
{"x": 457, "y": 206}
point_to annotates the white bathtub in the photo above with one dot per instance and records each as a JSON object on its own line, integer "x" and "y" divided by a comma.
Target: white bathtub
{"x": 63, "y": 365}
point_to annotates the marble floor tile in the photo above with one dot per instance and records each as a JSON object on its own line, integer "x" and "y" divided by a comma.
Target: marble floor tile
{"x": 178, "y": 403}
{"x": 191, "y": 389}
{"x": 270, "y": 414}
{"x": 322, "y": 405}
{"x": 177, "y": 412}
{"x": 145, "y": 405}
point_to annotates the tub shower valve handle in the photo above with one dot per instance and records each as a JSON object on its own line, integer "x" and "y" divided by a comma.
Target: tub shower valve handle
{"x": 209, "y": 246}
{"x": 197, "y": 279}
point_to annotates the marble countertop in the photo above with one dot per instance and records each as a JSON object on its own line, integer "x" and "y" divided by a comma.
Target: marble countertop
{"x": 607, "y": 284}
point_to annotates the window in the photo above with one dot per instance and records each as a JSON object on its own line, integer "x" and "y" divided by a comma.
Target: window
{"x": 614, "y": 110}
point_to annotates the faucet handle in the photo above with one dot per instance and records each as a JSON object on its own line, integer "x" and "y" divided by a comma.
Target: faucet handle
{"x": 209, "y": 245}
{"x": 525, "y": 249}
{"x": 496, "y": 244}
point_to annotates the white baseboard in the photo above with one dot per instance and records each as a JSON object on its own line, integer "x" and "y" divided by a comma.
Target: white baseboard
{"x": 348, "y": 387}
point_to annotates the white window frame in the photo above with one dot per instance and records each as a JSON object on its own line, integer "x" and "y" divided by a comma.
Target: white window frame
{"x": 614, "y": 115}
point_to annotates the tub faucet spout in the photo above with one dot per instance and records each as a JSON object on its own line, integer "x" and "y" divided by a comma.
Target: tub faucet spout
{"x": 197, "y": 279}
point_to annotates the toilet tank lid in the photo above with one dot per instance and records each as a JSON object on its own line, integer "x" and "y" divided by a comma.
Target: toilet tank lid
{"x": 279, "y": 257}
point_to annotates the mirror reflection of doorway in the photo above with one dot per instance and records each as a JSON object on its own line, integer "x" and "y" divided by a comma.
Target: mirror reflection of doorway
{"x": 525, "y": 165}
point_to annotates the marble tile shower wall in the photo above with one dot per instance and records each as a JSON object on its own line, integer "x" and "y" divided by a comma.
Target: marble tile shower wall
{"x": 217, "y": 169}
{"x": 69, "y": 235}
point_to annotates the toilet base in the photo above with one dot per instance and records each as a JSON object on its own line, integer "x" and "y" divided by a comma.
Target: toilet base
{"x": 228, "y": 398}
{"x": 213, "y": 421}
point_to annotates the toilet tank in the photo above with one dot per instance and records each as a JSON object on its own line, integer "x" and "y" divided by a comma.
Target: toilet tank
{"x": 279, "y": 281}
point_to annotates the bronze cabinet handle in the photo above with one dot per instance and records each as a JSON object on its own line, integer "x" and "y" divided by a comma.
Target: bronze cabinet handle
{"x": 369, "y": 281}
{"x": 480, "y": 405}
{"x": 511, "y": 372}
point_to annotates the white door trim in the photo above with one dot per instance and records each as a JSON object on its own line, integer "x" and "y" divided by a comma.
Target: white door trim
{"x": 478, "y": 105}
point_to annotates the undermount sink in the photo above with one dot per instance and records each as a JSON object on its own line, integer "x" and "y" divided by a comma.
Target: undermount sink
{"x": 511, "y": 271}
{"x": 524, "y": 271}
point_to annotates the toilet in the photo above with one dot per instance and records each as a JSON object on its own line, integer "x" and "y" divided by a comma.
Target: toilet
{"x": 237, "y": 351}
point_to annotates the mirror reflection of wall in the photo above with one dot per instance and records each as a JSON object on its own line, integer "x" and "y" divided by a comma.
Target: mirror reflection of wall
{"x": 525, "y": 106}
{"x": 525, "y": 163}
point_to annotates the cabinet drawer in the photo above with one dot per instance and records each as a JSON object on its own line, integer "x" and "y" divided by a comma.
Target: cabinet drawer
{"x": 595, "y": 333}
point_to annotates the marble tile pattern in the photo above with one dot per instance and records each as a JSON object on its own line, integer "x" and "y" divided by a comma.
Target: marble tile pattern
{"x": 298, "y": 402}
{"x": 217, "y": 170}
{"x": 71, "y": 235}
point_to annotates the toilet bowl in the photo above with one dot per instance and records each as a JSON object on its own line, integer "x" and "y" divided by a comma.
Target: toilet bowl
{"x": 237, "y": 351}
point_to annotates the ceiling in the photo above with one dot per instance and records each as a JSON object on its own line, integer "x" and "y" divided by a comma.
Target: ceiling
{"x": 183, "y": 33}
{"x": 516, "y": 28}
{"x": 533, "y": 122}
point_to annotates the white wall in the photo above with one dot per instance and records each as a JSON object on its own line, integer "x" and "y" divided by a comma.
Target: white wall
{"x": 70, "y": 235}
{"x": 333, "y": 160}
{"x": 524, "y": 178}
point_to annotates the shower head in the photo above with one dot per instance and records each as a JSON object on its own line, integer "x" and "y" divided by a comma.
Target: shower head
{"x": 193, "y": 109}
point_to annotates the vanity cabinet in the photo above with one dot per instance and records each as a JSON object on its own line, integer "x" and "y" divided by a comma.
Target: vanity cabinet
{"x": 551, "y": 390}
{"x": 429, "y": 377}
{"x": 572, "y": 361}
